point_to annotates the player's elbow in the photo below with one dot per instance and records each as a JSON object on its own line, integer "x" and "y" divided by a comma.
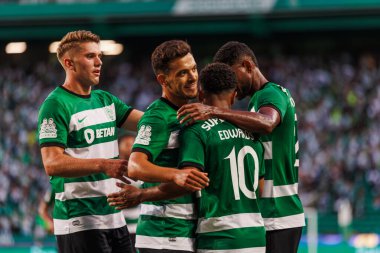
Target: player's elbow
{"x": 133, "y": 169}
{"x": 49, "y": 169}
{"x": 51, "y": 166}
{"x": 267, "y": 130}
{"x": 52, "y": 160}
{"x": 269, "y": 127}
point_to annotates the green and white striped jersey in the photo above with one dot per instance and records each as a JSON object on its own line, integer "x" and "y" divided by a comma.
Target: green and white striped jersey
{"x": 166, "y": 224}
{"x": 85, "y": 126}
{"x": 280, "y": 205}
{"x": 229, "y": 215}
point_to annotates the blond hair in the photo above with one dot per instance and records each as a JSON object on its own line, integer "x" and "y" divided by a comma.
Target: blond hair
{"x": 73, "y": 39}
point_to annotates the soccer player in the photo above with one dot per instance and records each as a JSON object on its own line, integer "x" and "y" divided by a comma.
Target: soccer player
{"x": 229, "y": 216}
{"x": 77, "y": 135}
{"x": 78, "y": 139}
{"x": 166, "y": 226}
{"x": 272, "y": 114}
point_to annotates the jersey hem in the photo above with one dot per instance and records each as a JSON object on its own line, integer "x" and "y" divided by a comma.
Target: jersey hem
{"x": 52, "y": 144}
{"x": 292, "y": 221}
{"x": 142, "y": 150}
{"x": 191, "y": 164}
{"x": 274, "y": 107}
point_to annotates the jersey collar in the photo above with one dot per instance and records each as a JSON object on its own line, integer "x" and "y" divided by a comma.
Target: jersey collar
{"x": 166, "y": 101}
{"x": 69, "y": 91}
{"x": 265, "y": 84}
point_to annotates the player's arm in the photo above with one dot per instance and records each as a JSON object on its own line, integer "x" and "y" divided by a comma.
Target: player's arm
{"x": 58, "y": 163}
{"x": 263, "y": 121}
{"x": 140, "y": 168}
{"x": 130, "y": 196}
{"x": 131, "y": 121}
{"x": 261, "y": 186}
{"x": 43, "y": 211}
{"x": 261, "y": 170}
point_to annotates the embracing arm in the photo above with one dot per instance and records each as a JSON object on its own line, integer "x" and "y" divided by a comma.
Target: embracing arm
{"x": 140, "y": 168}
{"x": 261, "y": 186}
{"x": 133, "y": 118}
{"x": 58, "y": 163}
{"x": 264, "y": 121}
{"x": 130, "y": 196}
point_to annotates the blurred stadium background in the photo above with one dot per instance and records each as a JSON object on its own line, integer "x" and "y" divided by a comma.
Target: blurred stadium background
{"x": 325, "y": 51}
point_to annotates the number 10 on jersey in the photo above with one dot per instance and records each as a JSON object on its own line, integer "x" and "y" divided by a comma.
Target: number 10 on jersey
{"x": 238, "y": 172}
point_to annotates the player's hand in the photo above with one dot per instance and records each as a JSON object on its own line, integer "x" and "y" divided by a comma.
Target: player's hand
{"x": 116, "y": 168}
{"x": 194, "y": 112}
{"x": 50, "y": 226}
{"x": 191, "y": 179}
{"x": 128, "y": 196}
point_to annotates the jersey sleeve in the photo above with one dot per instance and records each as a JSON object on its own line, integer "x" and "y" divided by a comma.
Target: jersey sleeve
{"x": 274, "y": 98}
{"x": 53, "y": 124}
{"x": 192, "y": 150}
{"x": 122, "y": 111}
{"x": 152, "y": 136}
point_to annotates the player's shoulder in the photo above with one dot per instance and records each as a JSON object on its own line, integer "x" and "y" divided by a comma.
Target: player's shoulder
{"x": 196, "y": 126}
{"x": 274, "y": 88}
{"x": 271, "y": 87}
{"x": 273, "y": 92}
{"x": 156, "y": 110}
{"x": 208, "y": 125}
{"x": 103, "y": 94}
{"x": 162, "y": 107}
{"x": 55, "y": 98}
{"x": 194, "y": 129}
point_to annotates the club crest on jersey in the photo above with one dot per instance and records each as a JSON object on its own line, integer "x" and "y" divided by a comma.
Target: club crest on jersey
{"x": 48, "y": 129}
{"x": 110, "y": 112}
{"x": 143, "y": 136}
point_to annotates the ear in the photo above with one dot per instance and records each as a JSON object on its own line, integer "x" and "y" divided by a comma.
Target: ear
{"x": 68, "y": 63}
{"x": 161, "y": 79}
{"x": 248, "y": 65}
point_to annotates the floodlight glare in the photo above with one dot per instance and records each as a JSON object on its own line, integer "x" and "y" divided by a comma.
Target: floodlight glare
{"x": 15, "y": 47}
{"x": 53, "y": 47}
{"x": 110, "y": 47}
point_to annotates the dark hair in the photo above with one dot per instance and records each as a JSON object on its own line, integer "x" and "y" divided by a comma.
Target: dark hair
{"x": 166, "y": 52}
{"x": 216, "y": 78}
{"x": 231, "y": 52}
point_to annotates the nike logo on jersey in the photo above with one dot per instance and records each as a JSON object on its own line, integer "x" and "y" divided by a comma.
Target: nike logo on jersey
{"x": 81, "y": 120}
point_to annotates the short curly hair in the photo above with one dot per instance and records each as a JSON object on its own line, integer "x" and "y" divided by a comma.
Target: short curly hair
{"x": 73, "y": 39}
{"x": 167, "y": 52}
{"x": 231, "y": 52}
{"x": 216, "y": 78}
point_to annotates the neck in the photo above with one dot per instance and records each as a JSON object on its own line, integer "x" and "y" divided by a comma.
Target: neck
{"x": 258, "y": 82}
{"x": 77, "y": 87}
{"x": 175, "y": 100}
{"x": 217, "y": 100}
